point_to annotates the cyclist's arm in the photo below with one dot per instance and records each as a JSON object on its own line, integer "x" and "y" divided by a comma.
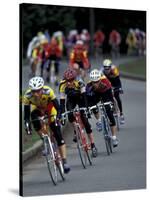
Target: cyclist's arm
{"x": 26, "y": 103}
{"x": 57, "y": 106}
{"x": 27, "y": 112}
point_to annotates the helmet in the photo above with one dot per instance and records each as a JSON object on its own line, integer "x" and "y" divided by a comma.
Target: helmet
{"x": 107, "y": 63}
{"x": 83, "y": 37}
{"x": 70, "y": 74}
{"x": 79, "y": 42}
{"x": 36, "y": 83}
{"x": 84, "y": 31}
{"x": 95, "y": 75}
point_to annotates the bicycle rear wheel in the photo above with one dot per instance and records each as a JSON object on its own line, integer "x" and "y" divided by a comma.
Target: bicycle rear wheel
{"x": 50, "y": 158}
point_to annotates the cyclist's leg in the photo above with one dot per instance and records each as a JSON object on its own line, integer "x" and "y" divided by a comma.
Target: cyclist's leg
{"x": 37, "y": 124}
{"x": 59, "y": 139}
{"x": 117, "y": 97}
{"x": 48, "y": 70}
{"x": 106, "y": 97}
{"x": 70, "y": 104}
{"x": 88, "y": 129}
{"x": 57, "y": 63}
{"x": 119, "y": 102}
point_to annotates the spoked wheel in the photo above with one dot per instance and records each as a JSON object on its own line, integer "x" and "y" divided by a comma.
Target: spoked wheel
{"x": 117, "y": 121}
{"x": 50, "y": 158}
{"x": 60, "y": 168}
{"x": 108, "y": 144}
{"x": 81, "y": 150}
{"x": 107, "y": 138}
{"x": 89, "y": 157}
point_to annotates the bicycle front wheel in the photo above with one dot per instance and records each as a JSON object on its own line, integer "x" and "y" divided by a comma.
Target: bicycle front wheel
{"x": 81, "y": 150}
{"x": 60, "y": 167}
{"x": 107, "y": 138}
{"x": 50, "y": 158}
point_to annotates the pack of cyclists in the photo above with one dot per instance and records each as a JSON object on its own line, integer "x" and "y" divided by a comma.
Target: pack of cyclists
{"x": 103, "y": 84}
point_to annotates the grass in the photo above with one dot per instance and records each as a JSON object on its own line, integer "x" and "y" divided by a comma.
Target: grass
{"x": 28, "y": 141}
{"x": 136, "y": 67}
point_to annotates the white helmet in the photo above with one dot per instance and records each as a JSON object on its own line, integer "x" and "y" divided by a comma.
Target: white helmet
{"x": 95, "y": 75}
{"x": 79, "y": 42}
{"x": 107, "y": 63}
{"x": 36, "y": 83}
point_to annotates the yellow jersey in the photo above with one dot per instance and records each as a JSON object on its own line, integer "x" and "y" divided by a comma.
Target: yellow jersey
{"x": 42, "y": 103}
{"x": 77, "y": 88}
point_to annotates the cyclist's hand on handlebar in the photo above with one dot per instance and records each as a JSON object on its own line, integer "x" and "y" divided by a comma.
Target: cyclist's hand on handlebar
{"x": 63, "y": 122}
{"x": 28, "y": 128}
{"x": 88, "y": 113}
{"x": 63, "y": 119}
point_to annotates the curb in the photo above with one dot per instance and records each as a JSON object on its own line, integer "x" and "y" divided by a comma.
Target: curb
{"x": 133, "y": 77}
{"x": 32, "y": 151}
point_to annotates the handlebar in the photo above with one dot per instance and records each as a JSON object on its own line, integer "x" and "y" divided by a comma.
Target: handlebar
{"x": 75, "y": 110}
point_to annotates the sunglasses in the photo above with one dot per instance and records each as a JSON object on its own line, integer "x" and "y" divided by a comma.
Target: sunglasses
{"x": 36, "y": 91}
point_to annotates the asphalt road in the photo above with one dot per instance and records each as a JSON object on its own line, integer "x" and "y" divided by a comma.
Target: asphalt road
{"x": 125, "y": 169}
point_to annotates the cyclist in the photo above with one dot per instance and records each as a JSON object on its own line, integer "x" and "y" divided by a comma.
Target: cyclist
{"x": 99, "y": 88}
{"x": 43, "y": 101}
{"x": 131, "y": 41}
{"x": 112, "y": 73}
{"x": 53, "y": 53}
{"x": 72, "y": 93}
{"x": 79, "y": 56}
{"x": 114, "y": 41}
{"x": 98, "y": 38}
{"x": 39, "y": 56}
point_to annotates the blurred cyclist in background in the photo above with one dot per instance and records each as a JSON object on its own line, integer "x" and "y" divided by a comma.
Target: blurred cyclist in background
{"x": 98, "y": 38}
{"x": 112, "y": 73}
{"x": 33, "y": 50}
{"x": 53, "y": 53}
{"x": 40, "y": 100}
{"x": 85, "y": 37}
{"x": 140, "y": 41}
{"x": 58, "y": 35}
{"x": 79, "y": 55}
{"x": 114, "y": 41}
{"x": 71, "y": 40}
{"x": 72, "y": 93}
{"x": 131, "y": 41}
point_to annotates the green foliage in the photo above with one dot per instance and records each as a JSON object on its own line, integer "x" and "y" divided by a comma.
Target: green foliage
{"x": 137, "y": 67}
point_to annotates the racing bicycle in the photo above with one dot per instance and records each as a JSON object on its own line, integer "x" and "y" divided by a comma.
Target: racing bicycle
{"x": 105, "y": 124}
{"x": 52, "y": 155}
{"x": 82, "y": 145}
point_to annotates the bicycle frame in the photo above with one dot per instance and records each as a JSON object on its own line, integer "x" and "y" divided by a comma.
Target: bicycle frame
{"x": 80, "y": 127}
{"x": 82, "y": 144}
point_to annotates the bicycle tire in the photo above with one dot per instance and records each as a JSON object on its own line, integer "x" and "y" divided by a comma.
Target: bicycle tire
{"x": 50, "y": 158}
{"x": 81, "y": 150}
{"x": 117, "y": 121}
{"x": 89, "y": 157}
{"x": 107, "y": 138}
{"x": 60, "y": 167}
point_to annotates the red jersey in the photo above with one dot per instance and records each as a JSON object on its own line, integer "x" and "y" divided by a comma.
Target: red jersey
{"x": 53, "y": 50}
{"x": 102, "y": 86}
{"x": 99, "y": 38}
{"x": 79, "y": 54}
{"x": 114, "y": 37}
